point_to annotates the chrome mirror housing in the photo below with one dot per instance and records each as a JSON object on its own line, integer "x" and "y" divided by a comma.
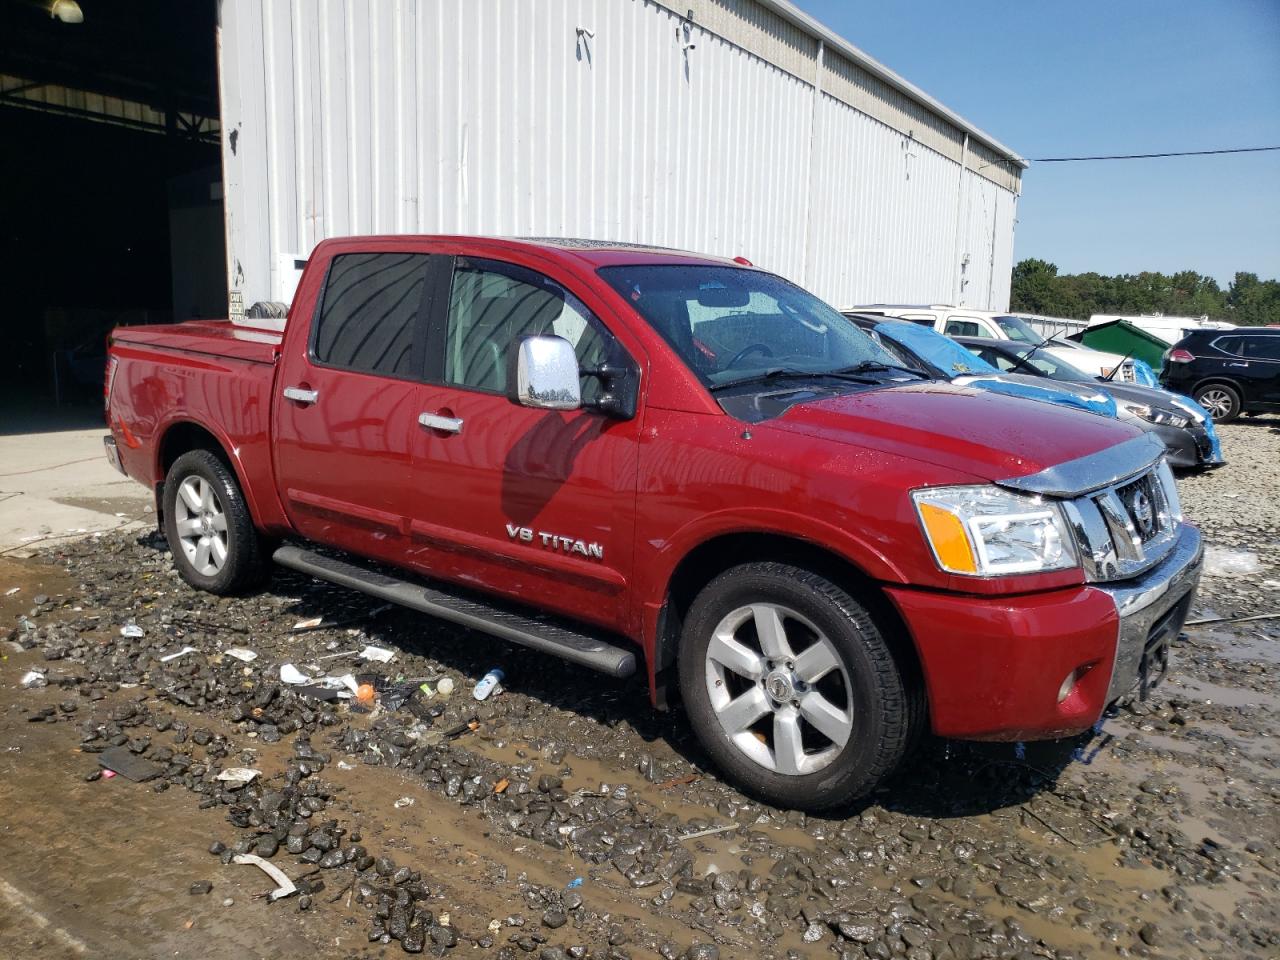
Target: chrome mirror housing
{"x": 546, "y": 374}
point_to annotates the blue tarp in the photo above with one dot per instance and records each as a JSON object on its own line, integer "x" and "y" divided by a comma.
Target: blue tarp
{"x": 1143, "y": 374}
{"x": 957, "y": 361}
{"x": 1103, "y": 404}
{"x": 1201, "y": 416}
{"x": 942, "y": 352}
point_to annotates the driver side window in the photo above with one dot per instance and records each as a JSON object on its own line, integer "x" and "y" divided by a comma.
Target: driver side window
{"x": 494, "y": 305}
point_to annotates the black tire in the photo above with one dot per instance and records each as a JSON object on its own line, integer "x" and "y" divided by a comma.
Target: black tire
{"x": 886, "y": 713}
{"x": 245, "y": 563}
{"x": 1224, "y": 401}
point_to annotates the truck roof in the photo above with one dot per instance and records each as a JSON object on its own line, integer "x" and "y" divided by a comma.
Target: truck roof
{"x": 595, "y": 253}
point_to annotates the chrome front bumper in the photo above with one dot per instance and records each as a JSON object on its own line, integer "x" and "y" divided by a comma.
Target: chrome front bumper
{"x": 1152, "y": 609}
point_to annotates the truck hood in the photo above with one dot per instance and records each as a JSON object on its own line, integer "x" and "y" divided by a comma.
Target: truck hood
{"x": 984, "y": 434}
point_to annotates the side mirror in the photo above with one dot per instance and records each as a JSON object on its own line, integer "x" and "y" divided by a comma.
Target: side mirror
{"x": 546, "y": 374}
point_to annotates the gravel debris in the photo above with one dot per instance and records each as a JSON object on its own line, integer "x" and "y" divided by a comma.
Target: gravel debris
{"x": 1155, "y": 835}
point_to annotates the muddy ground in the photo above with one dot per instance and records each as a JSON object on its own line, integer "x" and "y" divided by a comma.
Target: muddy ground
{"x": 566, "y": 823}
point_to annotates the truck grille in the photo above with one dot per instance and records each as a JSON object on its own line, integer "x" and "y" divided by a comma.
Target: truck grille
{"x": 1127, "y": 527}
{"x": 1140, "y": 499}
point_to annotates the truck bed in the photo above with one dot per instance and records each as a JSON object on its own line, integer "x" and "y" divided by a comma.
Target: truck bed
{"x": 210, "y": 375}
{"x": 216, "y": 337}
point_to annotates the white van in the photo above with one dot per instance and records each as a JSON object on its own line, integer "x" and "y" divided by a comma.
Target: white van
{"x": 963, "y": 322}
{"x": 1168, "y": 329}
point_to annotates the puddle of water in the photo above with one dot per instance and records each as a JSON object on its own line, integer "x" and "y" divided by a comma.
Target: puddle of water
{"x": 31, "y": 579}
{"x": 1249, "y": 646}
{"x": 1208, "y": 692}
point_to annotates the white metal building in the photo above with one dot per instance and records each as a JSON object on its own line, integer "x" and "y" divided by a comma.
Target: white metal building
{"x": 731, "y": 127}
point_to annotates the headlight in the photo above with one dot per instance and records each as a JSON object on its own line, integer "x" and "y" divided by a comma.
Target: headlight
{"x": 988, "y": 532}
{"x": 1165, "y": 418}
{"x": 1195, "y": 412}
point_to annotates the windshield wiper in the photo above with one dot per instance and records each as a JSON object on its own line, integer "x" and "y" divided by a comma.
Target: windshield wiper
{"x": 785, "y": 373}
{"x": 871, "y": 366}
{"x": 1116, "y": 369}
{"x": 1026, "y": 357}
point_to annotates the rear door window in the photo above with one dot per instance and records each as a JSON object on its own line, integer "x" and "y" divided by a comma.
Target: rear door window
{"x": 1262, "y": 348}
{"x": 1229, "y": 345}
{"x": 369, "y": 313}
{"x": 965, "y": 328}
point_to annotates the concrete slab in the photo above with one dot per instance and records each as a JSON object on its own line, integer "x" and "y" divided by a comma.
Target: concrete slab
{"x": 59, "y": 485}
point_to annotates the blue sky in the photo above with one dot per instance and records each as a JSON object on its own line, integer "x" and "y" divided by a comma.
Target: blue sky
{"x": 1090, "y": 77}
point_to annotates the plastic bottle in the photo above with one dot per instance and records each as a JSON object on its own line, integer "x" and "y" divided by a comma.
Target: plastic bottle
{"x": 487, "y": 683}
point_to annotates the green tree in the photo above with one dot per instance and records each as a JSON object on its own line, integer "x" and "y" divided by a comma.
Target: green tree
{"x": 1038, "y": 287}
{"x": 1253, "y": 301}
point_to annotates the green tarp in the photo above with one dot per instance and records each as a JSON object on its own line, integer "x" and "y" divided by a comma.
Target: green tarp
{"x": 1122, "y": 337}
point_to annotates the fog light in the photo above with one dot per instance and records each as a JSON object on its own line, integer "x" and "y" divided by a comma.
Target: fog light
{"x": 1071, "y": 679}
{"x": 1068, "y": 684}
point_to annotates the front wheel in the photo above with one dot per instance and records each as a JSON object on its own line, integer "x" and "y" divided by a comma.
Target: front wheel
{"x": 791, "y": 688}
{"x": 211, "y": 534}
{"x": 1221, "y": 402}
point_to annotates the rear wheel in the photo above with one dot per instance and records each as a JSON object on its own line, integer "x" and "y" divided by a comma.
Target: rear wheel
{"x": 791, "y": 688}
{"x": 1221, "y": 401}
{"x": 207, "y": 523}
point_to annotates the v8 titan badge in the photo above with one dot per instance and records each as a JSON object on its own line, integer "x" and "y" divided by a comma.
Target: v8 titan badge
{"x": 553, "y": 541}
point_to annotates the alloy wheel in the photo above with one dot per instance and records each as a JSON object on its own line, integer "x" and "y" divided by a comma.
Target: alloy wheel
{"x": 779, "y": 689}
{"x": 1217, "y": 402}
{"x": 202, "y": 525}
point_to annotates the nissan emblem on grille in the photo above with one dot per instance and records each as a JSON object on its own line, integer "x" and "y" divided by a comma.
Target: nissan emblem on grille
{"x": 1143, "y": 512}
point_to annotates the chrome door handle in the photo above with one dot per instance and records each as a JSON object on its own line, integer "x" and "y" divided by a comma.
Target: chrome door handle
{"x": 301, "y": 395}
{"x": 436, "y": 422}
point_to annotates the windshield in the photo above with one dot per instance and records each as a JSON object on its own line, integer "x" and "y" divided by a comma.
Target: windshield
{"x": 1051, "y": 366}
{"x": 933, "y": 348}
{"x": 1018, "y": 329}
{"x": 731, "y": 323}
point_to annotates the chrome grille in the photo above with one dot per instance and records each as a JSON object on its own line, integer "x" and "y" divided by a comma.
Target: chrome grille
{"x": 1140, "y": 499}
{"x": 1127, "y": 527}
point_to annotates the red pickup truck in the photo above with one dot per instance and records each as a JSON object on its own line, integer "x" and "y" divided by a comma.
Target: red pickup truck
{"x": 617, "y": 454}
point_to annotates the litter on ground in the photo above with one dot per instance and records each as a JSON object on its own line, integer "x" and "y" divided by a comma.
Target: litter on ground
{"x": 129, "y": 765}
{"x": 237, "y": 776}
{"x": 284, "y": 886}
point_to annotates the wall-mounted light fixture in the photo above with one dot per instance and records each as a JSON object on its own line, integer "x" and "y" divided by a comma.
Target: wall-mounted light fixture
{"x": 68, "y": 11}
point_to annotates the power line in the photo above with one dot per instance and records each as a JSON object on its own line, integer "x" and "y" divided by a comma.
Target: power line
{"x": 1146, "y": 156}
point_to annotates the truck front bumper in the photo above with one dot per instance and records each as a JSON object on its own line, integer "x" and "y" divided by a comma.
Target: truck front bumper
{"x": 1044, "y": 666}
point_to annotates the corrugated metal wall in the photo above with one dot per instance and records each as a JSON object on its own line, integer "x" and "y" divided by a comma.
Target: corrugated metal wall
{"x": 611, "y": 119}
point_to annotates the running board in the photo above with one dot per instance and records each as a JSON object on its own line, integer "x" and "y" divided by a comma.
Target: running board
{"x": 546, "y": 635}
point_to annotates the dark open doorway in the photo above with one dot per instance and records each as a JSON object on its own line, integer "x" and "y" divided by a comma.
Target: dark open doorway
{"x": 110, "y": 185}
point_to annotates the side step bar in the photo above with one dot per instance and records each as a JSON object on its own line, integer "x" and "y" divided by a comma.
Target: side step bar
{"x": 546, "y": 636}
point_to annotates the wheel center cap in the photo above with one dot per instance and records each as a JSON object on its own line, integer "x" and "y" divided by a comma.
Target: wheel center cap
{"x": 779, "y": 686}
{"x": 206, "y": 525}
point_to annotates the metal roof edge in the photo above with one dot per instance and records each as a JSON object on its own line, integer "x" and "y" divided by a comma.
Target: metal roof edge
{"x": 794, "y": 14}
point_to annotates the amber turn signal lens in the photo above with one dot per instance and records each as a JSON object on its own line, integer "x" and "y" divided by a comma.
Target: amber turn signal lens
{"x": 949, "y": 540}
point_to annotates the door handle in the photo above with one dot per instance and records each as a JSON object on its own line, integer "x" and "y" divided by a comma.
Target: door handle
{"x": 437, "y": 422}
{"x": 301, "y": 395}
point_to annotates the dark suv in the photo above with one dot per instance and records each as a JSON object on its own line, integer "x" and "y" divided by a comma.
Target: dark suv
{"x": 1228, "y": 372}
